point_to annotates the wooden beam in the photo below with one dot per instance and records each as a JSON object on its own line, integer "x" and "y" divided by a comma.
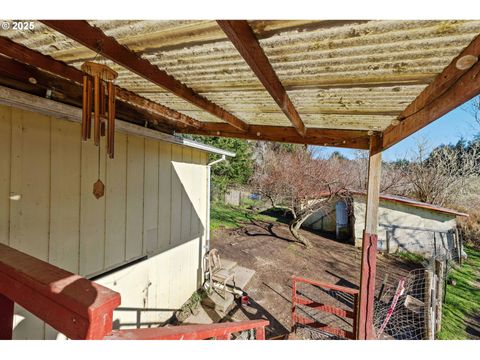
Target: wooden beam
{"x": 450, "y": 89}
{"x": 365, "y": 329}
{"x": 355, "y": 139}
{"x": 94, "y": 38}
{"x": 31, "y": 80}
{"x": 243, "y": 38}
{"x": 34, "y": 58}
{"x": 33, "y": 103}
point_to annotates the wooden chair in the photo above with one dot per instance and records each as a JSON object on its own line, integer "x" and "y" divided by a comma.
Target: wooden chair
{"x": 216, "y": 272}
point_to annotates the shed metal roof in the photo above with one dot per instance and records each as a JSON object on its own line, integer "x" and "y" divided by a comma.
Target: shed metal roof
{"x": 414, "y": 203}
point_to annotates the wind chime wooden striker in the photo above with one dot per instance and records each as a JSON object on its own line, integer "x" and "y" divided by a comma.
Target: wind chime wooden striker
{"x": 100, "y": 78}
{"x": 99, "y": 89}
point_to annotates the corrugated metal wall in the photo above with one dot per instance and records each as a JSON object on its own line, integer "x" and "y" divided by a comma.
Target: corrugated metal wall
{"x": 155, "y": 203}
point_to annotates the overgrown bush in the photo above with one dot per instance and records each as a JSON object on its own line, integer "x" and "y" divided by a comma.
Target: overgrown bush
{"x": 470, "y": 229}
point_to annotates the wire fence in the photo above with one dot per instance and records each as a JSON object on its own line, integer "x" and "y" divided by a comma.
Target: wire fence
{"x": 408, "y": 305}
{"x": 429, "y": 243}
{"x": 410, "y": 308}
{"x": 400, "y": 309}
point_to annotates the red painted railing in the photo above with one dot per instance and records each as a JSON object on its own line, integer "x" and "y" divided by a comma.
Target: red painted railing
{"x": 299, "y": 300}
{"x": 82, "y": 309}
{"x": 221, "y": 331}
{"x": 71, "y": 304}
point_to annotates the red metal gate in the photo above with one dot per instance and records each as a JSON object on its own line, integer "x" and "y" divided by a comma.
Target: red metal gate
{"x": 299, "y": 300}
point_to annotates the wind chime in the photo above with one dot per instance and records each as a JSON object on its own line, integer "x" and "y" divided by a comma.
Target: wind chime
{"x": 98, "y": 88}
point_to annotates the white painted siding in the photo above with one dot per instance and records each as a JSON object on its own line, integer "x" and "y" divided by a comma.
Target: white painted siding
{"x": 411, "y": 227}
{"x": 155, "y": 204}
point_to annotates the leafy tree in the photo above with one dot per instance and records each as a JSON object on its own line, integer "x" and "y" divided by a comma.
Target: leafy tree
{"x": 338, "y": 155}
{"x": 235, "y": 170}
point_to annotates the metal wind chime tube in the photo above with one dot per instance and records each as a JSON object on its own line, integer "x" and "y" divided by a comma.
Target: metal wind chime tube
{"x": 103, "y": 96}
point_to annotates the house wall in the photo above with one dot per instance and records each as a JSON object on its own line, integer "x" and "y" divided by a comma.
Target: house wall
{"x": 322, "y": 220}
{"x": 154, "y": 206}
{"x": 409, "y": 228}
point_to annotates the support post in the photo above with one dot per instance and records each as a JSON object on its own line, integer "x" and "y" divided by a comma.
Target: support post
{"x": 429, "y": 305}
{"x": 365, "y": 329}
{"x": 440, "y": 271}
{"x": 6, "y": 318}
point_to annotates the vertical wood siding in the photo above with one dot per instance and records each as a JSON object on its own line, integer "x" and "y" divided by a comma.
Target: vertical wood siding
{"x": 154, "y": 204}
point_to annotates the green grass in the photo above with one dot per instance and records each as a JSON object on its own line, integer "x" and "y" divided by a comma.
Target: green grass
{"x": 233, "y": 217}
{"x": 250, "y": 203}
{"x": 463, "y": 299}
{"x": 410, "y": 257}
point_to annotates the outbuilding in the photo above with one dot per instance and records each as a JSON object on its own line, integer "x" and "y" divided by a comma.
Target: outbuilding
{"x": 405, "y": 224}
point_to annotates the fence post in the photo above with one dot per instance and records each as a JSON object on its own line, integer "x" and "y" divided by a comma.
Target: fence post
{"x": 429, "y": 305}
{"x": 457, "y": 243}
{"x": 440, "y": 272}
{"x": 355, "y": 316}
{"x": 294, "y": 295}
{"x": 260, "y": 333}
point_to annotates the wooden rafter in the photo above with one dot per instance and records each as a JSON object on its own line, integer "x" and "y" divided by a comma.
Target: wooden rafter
{"x": 355, "y": 139}
{"x": 23, "y": 63}
{"x": 451, "y": 88}
{"x": 31, "y": 57}
{"x": 95, "y": 39}
{"x": 31, "y": 80}
{"x": 243, "y": 38}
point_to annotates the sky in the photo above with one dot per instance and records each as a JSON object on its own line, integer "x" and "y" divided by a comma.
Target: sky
{"x": 448, "y": 129}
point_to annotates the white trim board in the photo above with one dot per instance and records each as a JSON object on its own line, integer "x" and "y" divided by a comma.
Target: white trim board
{"x": 25, "y": 101}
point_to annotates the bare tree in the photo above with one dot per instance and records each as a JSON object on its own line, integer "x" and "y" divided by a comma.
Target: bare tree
{"x": 303, "y": 183}
{"x": 392, "y": 181}
{"x": 438, "y": 177}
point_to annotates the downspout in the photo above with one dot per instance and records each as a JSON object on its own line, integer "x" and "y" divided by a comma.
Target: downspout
{"x": 209, "y": 174}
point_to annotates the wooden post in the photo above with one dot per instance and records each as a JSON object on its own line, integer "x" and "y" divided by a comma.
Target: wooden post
{"x": 440, "y": 271}
{"x": 428, "y": 312}
{"x": 294, "y": 307}
{"x": 365, "y": 329}
{"x": 458, "y": 245}
{"x": 6, "y": 318}
{"x": 260, "y": 333}
{"x": 429, "y": 305}
{"x": 355, "y": 317}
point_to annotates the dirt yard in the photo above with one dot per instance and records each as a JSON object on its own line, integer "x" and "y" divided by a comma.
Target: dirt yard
{"x": 266, "y": 247}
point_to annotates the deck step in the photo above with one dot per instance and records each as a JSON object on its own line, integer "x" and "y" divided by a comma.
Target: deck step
{"x": 242, "y": 277}
{"x": 217, "y": 302}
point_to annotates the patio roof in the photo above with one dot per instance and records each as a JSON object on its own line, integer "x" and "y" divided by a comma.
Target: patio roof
{"x": 330, "y": 82}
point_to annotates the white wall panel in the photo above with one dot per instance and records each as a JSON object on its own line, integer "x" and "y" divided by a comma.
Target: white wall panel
{"x": 154, "y": 204}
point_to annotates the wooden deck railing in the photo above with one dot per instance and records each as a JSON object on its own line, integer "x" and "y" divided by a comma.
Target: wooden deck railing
{"x": 221, "y": 331}
{"x": 299, "y": 300}
{"x": 83, "y": 309}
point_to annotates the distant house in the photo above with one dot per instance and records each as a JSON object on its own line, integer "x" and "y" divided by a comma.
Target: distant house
{"x": 404, "y": 224}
